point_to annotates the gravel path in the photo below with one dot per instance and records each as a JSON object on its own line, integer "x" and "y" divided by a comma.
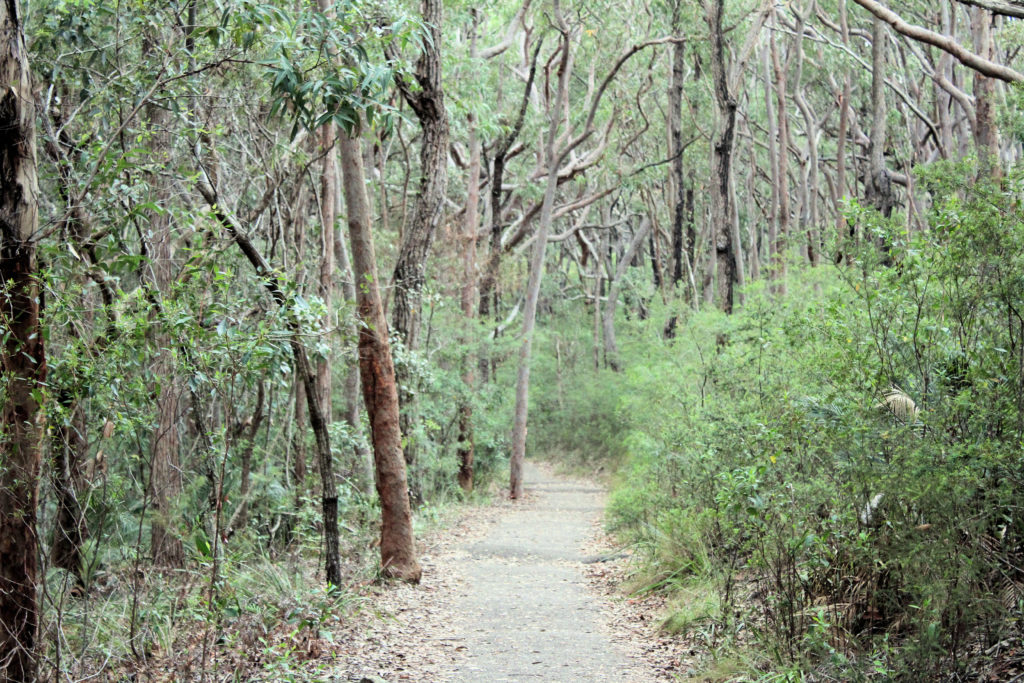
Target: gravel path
{"x": 524, "y": 611}
{"x": 510, "y": 592}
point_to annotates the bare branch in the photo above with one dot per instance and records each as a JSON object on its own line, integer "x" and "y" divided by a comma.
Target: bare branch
{"x": 966, "y": 57}
{"x": 1007, "y": 8}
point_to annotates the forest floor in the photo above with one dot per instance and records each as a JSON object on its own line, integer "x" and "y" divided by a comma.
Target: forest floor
{"x": 515, "y": 591}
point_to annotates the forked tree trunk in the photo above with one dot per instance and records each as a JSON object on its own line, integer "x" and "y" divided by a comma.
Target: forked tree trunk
{"x": 21, "y": 355}
{"x": 611, "y": 348}
{"x": 489, "y": 278}
{"x": 377, "y": 370}
{"x": 540, "y": 244}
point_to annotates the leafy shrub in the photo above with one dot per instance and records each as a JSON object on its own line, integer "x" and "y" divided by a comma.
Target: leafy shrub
{"x": 762, "y": 454}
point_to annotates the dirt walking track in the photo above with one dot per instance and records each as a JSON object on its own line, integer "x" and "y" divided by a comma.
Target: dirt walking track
{"x": 504, "y": 598}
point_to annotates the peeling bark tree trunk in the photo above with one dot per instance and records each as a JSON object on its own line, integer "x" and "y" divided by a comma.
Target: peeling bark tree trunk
{"x": 380, "y": 392}
{"x": 21, "y": 356}
{"x": 722, "y": 208}
{"x": 410, "y": 268}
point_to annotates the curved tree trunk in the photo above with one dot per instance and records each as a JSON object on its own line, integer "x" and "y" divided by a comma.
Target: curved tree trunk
{"x": 307, "y": 374}
{"x": 21, "y": 355}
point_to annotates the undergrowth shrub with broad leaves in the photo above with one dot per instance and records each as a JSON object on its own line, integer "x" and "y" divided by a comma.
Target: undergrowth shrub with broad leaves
{"x": 847, "y": 538}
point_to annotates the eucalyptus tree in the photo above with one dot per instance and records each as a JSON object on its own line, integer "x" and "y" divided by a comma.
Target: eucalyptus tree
{"x": 350, "y": 92}
{"x": 559, "y": 161}
{"x": 428, "y": 102}
{"x": 22, "y": 356}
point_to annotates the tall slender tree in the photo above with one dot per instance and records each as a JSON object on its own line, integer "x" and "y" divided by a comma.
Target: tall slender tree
{"x": 21, "y": 355}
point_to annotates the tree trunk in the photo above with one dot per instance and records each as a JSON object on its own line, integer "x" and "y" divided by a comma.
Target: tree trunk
{"x": 247, "y": 431}
{"x": 299, "y": 439}
{"x": 328, "y": 193}
{"x": 809, "y": 205}
{"x": 410, "y": 268}
{"x": 944, "y": 99}
{"x": 877, "y": 185}
{"x": 844, "y": 127}
{"x": 986, "y": 138}
{"x": 489, "y": 278}
{"x": 721, "y": 166}
{"x": 551, "y": 162}
{"x": 469, "y": 275}
{"x": 611, "y": 349}
{"x": 380, "y": 392}
{"x": 305, "y": 371}
{"x": 779, "y": 260}
{"x": 22, "y": 356}
{"x": 675, "y": 124}
{"x": 363, "y": 457}
{"x": 70, "y": 449}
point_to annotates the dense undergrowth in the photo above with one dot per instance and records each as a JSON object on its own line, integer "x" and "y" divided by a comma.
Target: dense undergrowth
{"x": 811, "y": 523}
{"x": 249, "y": 601}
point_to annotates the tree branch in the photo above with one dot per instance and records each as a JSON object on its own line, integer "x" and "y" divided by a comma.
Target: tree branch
{"x": 1007, "y": 8}
{"x": 966, "y": 57}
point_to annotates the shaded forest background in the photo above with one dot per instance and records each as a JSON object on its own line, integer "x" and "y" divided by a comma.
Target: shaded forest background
{"x": 283, "y": 281}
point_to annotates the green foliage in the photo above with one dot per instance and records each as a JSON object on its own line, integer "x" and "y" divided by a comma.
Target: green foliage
{"x": 321, "y": 69}
{"x": 762, "y": 456}
{"x": 436, "y": 386}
